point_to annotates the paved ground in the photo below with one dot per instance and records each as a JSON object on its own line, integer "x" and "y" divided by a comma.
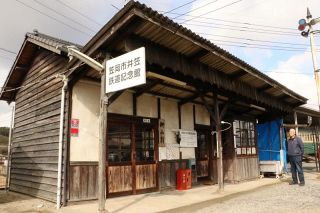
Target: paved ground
{"x": 280, "y": 197}
{"x": 264, "y": 195}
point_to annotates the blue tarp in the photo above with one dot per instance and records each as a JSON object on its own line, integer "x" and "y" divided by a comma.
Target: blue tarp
{"x": 269, "y": 141}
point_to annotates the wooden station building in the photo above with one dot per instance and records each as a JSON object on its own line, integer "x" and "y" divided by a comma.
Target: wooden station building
{"x": 192, "y": 85}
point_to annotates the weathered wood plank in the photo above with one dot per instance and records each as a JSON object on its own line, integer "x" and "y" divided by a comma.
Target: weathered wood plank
{"x": 46, "y": 140}
{"x": 35, "y": 179}
{"x": 49, "y": 133}
{"x": 51, "y": 86}
{"x": 40, "y": 160}
{"x": 40, "y": 117}
{"x": 42, "y": 147}
{"x": 74, "y": 183}
{"x": 33, "y": 192}
{"x": 41, "y": 129}
{"x": 38, "y": 173}
{"x": 38, "y": 105}
{"x": 42, "y": 167}
{"x": 43, "y": 187}
{"x": 50, "y": 153}
{"x": 37, "y": 124}
{"x": 41, "y": 111}
{"x": 119, "y": 179}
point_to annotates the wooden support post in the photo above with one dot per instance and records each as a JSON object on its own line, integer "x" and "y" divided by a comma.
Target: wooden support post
{"x": 295, "y": 121}
{"x": 179, "y": 115}
{"x": 102, "y": 145}
{"x": 219, "y": 142}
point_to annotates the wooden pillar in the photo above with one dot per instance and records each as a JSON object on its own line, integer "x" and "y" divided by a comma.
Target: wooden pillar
{"x": 211, "y": 151}
{"x": 296, "y": 122}
{"x": 179, "y": 115}
{"x": 219, "y": 141}
{"x": 102, "y": 145}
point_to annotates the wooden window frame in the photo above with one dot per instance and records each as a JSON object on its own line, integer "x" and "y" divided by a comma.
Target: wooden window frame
{"x": 247, "y": 145}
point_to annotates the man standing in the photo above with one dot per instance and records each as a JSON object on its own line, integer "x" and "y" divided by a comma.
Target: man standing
{"x": 295, "y": 153}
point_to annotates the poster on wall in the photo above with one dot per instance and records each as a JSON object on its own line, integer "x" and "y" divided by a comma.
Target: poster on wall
{"x": 188, "y": 138}
{"x": 172, "y": 151}
{"x": 161, "y": 133}
{"x": 74, "y": 127}
{"x": 162, "y": 153}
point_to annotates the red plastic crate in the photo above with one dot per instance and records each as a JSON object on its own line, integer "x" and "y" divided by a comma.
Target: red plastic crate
{"x": 184, "y": 179}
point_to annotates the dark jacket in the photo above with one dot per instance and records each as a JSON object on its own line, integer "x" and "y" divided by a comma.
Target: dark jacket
{"x": 295, "y": 146}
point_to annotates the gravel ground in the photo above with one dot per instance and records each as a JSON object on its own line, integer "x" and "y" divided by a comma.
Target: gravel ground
{"x": 281, "y": 197}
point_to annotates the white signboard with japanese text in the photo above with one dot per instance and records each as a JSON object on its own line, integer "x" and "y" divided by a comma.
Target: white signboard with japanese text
{"x": 188, "y": 138}
{"x": 125, "y": 71}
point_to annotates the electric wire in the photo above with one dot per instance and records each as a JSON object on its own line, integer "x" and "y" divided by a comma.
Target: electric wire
{"x": 234, "y": 22}
{"x": 79, "y": 13}
{"x": 53, "y": 18}
{"x": 195, "y": 9}
{"x": 199, "y": 16}
{"x": 64, "y": 16}
{"x": 259, "y": 45}
{"x": 170, "y": 11}
{"x": 214, "y": 25}
{"x": 262, "y": 31}
{"x": 258, "y": 40}
{"x": 260, "y": 48}
{"x": 6, "y": 50}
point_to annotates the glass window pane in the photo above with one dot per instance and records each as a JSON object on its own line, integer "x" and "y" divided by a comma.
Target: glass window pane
{"x": 119, "y": 143}
{"x": 144, "y": 144}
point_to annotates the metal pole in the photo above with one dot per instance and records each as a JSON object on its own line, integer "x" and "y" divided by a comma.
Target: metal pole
{"x": 315, "y": 65}
{"x": 9, "y": 149}
{"x": 102, "y": 145}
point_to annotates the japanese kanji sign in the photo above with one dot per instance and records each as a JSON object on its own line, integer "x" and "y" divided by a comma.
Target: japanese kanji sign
{"x": 74, "y": 127}
{"x": 125, "y": 71}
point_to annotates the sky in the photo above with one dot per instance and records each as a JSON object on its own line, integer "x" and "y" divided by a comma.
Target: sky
{"x": 262, "y": 33}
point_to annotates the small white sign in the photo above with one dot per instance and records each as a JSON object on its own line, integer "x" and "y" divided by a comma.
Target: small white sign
{"x": 125, "y": 71}
{"x": 188, "y": 138}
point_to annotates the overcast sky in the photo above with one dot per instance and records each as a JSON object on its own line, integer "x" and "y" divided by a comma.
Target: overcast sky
{"x": 262, "y": 33}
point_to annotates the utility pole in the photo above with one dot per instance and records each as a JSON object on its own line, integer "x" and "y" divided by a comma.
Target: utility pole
{"x": 302, "y": 24}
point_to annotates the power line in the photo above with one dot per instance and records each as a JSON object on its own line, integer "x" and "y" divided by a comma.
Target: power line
{"x": 190, "y": 2}
{"x": 258, "y": 40}
{"x": 262, "y": 45}
{"x": 248, "y": 30}
{"x": 195, "y": 9}
{"x": 9, "y": 51}
{"x": 234, "y": 22}
{"x": 53, "y": 18}
{"x": 280, "y": 72}
{"x": 79, "y": 13}
{"x": 227, "y": 5}
{"x": 260, "y": 48}
{"x": 210, "y": 24}
{"x": 66, "y": 17}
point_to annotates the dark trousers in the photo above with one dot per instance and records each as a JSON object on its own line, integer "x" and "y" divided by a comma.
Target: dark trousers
{"x": 296, "y": 167}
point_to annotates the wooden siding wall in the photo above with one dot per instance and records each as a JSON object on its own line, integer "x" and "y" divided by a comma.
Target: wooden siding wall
{"x": 238, "y": 169}
{"x": 167, "y": 172}
{"x": 247, "y": 168}
{"x": 36, "y": 130}
{"x": 83, "y": 181}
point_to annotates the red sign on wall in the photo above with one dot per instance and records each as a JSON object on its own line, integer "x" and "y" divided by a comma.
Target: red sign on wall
{"x": 74, "y": 127}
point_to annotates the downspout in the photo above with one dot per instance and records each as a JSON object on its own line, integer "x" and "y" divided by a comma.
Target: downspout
{"x": 9, "y": 149}
{"x": 63, "y": 94}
